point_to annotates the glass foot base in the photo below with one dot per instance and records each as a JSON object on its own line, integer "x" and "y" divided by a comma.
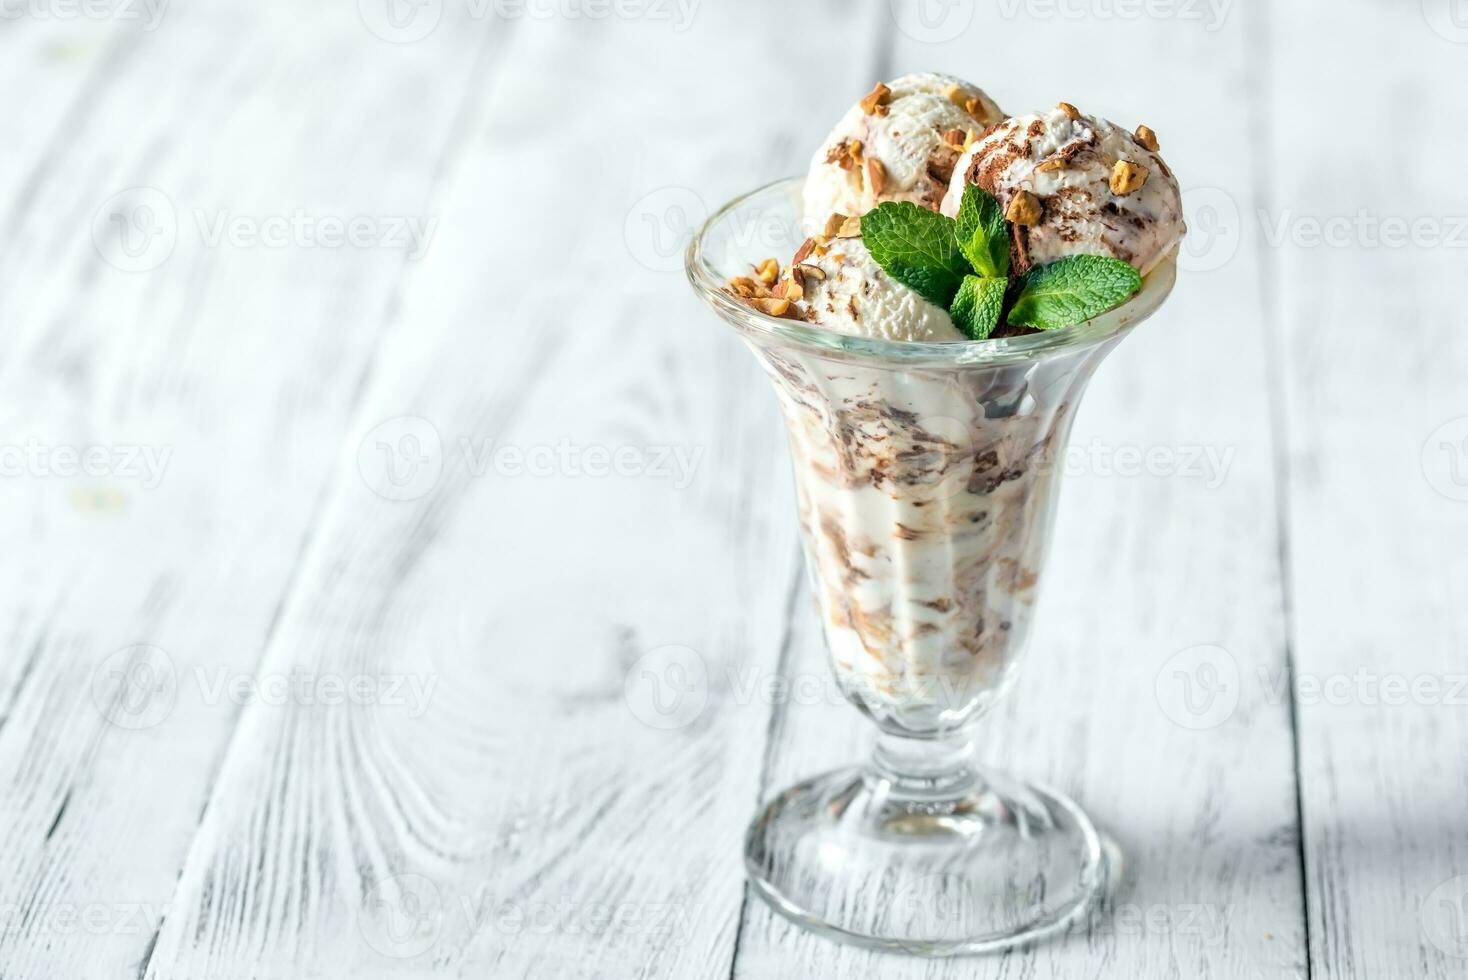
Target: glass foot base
{"x": 996, "y": 866}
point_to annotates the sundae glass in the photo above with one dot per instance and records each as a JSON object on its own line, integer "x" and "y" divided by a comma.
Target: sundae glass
{"x": 926, "y": 470}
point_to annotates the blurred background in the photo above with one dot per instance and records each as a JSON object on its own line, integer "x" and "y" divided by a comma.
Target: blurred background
{"x": 402, "y": 574}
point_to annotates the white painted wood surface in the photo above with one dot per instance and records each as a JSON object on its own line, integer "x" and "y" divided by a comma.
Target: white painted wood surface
{"x": 399, "y": 721}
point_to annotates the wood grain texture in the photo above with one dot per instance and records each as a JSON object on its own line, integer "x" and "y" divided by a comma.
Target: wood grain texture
{"x": 1145, "y": 570}
{"x": 1372, "y": 347}
{"x": 527, "y": 821}
{"x": 347, "y": 662}
{"x": 216, "y": 381}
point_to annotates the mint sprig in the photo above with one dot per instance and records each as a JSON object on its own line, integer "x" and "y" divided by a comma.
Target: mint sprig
{"x": 916, "y": 247}
{"x": 983, "y": 234}
{"x": 978, "y": 305}
{"x": 1072, "y": 290}
{"x": 963, "y": 266}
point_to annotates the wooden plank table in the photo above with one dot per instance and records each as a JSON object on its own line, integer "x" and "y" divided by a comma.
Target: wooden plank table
{"x": 366, "y": 463}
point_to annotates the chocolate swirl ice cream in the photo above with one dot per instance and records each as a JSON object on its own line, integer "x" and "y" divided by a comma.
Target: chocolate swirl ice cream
{"x": 1074, "y": 184}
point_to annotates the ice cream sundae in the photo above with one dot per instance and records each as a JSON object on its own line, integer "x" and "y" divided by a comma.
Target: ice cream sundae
{"x": 961, "y": 275}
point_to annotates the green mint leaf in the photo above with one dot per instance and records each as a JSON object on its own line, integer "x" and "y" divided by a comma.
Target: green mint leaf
{"x": 977, "y": 306}
{"x": 983, "y": 234}
{"x": 1072, "y": 290}
{"x": 916, "y": 247}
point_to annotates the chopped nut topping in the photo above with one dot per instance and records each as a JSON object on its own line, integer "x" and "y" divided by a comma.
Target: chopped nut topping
{"x": 970, "y": 104}
{"x": 1147, "y": 137}
{"x": 1052, "y": 164}
{"x": 954, "y": 138}
{"x": 813, "y": 272}
{"x": 803, "y": 253}
{"x": 1024, "y": 209}
{"x": 876, "y": 176}
{"x": 875, "y": 103}
{"x": 1127, "y": 177}
{"x": 768, "y": 271}
{"x": 1071, "y": 111}
{"x": 833, "y": 225}
{"x": 772, "y": 306}
{"x": 746, "y": 288}
{"x": 971, "y": 138}
{"x": 846, "y": 155}
{"x": 792, "y": 288}
{"x": 850, "y": 228}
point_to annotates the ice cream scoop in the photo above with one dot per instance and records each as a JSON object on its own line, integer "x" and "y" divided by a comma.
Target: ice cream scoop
{"x": 1073, "y": 184}
{"x": 900, "y": 143}
{"x": 835, "y": 283}
{"x": 845, "y": 290}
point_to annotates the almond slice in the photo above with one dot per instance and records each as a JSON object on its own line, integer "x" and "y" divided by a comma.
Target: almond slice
{"x": 1071, "y": 111}
{"x": 876, "y": 176}
{"x": 773, "y": 306}
{"x": 768, "y": 271}
{"x": 1147, "y": 137}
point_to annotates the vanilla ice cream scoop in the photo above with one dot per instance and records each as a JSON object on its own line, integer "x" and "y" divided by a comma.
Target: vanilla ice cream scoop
{"x": 900, "y": 143}
{"x": 845, "y": 290}
{"x": 1074, "y": 184}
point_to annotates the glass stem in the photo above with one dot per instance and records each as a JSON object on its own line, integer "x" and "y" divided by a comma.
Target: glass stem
{"x": 925, "y": 770}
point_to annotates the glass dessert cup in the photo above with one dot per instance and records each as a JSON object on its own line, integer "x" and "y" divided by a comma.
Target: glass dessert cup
{"x": 926, "y": 477}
